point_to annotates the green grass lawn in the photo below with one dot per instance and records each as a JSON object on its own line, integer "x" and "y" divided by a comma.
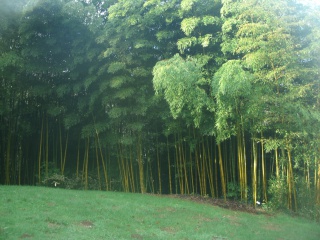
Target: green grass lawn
{"x": 49, "y": 213}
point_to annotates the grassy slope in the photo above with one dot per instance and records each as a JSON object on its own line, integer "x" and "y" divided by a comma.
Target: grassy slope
{"x": 47, "y": 213}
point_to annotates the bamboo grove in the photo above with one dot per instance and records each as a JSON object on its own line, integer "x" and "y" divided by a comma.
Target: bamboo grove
{"x": 212, "y": 97}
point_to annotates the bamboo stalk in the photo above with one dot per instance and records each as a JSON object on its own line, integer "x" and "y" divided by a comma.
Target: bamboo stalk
{"x": 292, "y": 183}
{"x": 78, "y": 158}
{"x": 186, "y": 180}
{"x": 223, "y": 184}
{"x": 203, "y": 171}
{"x": 277, "y": 163}
{"x": 241, "y": 166}
{"x": 169, "y": 167}
{"x": 87, "y": 164}
{"x": 151, "y": 177}
{"x": 47, "y": 149}
{"x": 318, "y": 183}
{"x": 97, "y": 159}
{"x": 124, "y": 174}
{"x": 216, "y": 171}
{"x": 119, "y": 160}
{"x": 264, "y": 174}
{"x": 40, "y": 154}
{"x": 61, "y": 151}
{"x": 210, "y": 168}
{"x": 140, "y": 165}
{"x": 254, "y": 171}
{"x": 8, "y": 157}
{"x": 105, "y": 173}
{"x": 19, "y": 163}
{"x": 65, "y": 155}
{"x": 159, "y": 168}
{"x": 198, "y": 168}
{"x": 178, "y": 166}
{"x": 244, "y": 165}
{"x": 132, "y": 179}
{"x": 191, "y": 171}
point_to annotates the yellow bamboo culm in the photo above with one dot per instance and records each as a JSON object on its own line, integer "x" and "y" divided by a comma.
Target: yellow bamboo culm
{"x": 210, "y": 170}
{"x": 318, "y": 184}
{"x": 98, "y": 163}
{"x": 85, "y": 165}
{"x": 8, "y": 156}
{"x": 98, "y": 146}
{"x": 159, "y": 169}
{"x": 277, "y": 163}
{"x": 78, "y": 159}
{"x": 242, "y": 165}
{"x": 191, "y": 172}
{"x": 140, "y": 165}
{"x": 292, "y": 189}
{"x": 198, "y": 169}
{"x": 254, "y": 171}
{"x": 184, "y": 164}
{"x": 131, "y": 172}
{"x": 40, "y": 153}
{"x": 223, "y": 184}
{"x": 47, "y": 149}
{"x": 264, "y": 173}
{"x": 203, "y": 169}
{"x": 169, "y": 167}
{"x": 123, "y": 169}
{"x": 64, "y": 155}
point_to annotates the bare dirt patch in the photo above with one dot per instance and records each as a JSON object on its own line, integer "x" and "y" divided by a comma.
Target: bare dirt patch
{"x": 87, "y": 224}
{"x": 228, "y": 204}
{"x": 51, "y": 204}
{"x": 201, "y": 219}
{"x": 166, "y": 209}
{"x": 136, "y": 236}
{"x": 26, "y": 235}
{"x": 53, "y": 225}
{"x": 271, "y": 227}
{"x": 168, "y": 230}
{"x": 234, "y": 220}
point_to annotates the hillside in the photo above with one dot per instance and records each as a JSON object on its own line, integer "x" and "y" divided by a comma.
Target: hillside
{"x": 49, "y": 213}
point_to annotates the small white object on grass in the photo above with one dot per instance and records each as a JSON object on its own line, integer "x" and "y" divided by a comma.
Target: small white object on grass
{"x": 55, "y": 183}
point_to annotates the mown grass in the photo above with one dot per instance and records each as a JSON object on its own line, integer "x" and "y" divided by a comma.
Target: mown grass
{"x": 48, "y": 213}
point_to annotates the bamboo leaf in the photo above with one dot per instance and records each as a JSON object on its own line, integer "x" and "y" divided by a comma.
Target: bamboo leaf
{"x": 189, "y": 24}
{"x": 116, "y": 67}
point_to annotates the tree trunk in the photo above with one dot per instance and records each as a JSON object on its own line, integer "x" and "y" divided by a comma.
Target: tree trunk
{"x": 254, "y": 171}
{"x": 8, "y": 158}
{"x": 223, "y": 184}
{"x": 40, "y": 154}
{"x": 140, "y": 165}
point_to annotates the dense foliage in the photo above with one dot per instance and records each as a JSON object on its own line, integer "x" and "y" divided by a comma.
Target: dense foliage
{"x": 209, "y": 97}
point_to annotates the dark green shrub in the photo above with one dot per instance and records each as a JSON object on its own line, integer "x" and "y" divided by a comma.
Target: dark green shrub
{"x": 278, "y": 193}
{"x": 233, "y": 191}
{"x": 306, "y": 198}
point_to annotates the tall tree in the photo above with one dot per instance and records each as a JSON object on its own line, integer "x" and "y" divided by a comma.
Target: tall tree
{"x": 266, "y": 39}
{"x": 14, "y": 105}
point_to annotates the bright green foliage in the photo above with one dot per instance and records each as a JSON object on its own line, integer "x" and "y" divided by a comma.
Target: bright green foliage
{"x": 269, "y": 40}
{"x": 180, "y": 82}
{"x": 162, "y": 96}
{"x": 232, "y": 81}
{"x": 270, "y": 43}
{"x": 189, "y": 24}
{"x": 200, "y": 20}
{"x": 232, "y": 88}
